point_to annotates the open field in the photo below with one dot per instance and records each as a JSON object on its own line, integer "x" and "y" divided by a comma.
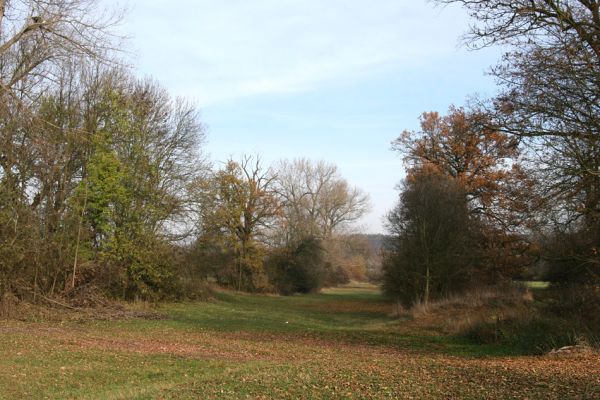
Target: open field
{"x": 338, "y": 344}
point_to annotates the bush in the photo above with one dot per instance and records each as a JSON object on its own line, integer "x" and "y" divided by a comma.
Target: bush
{"x": 483, "y": 307}
{"x": 508, "y": 316}
{"x": 579, "y": 304}
{"x": 336, "y": 275}
{"x": 534, "y": 335}
{"x": 301, "y": 269}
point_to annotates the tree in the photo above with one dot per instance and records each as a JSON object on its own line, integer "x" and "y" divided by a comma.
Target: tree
{"x": 239, "y": 206}
{"x": 468, "y": 148}
{"x": 433, "y": 242}
{"x": 39, "y": 40}
{"x": 465, "y": 146}
{"x": 318, "y": 202}
{"x": 352, "y": 253}
{"x": 533, "y": 23}
{"x": 103, "y": 172}
{"x": 550, "y": 82}
{"x": 318, "y": 205}
{"x": 154, "y": 142}
{"x": 38, "y": 36}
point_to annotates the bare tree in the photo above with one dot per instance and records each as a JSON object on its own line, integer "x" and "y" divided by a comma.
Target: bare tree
{"x": 317, "y": 200}
{"x": 37, "y": 36}
{"x": 537, "y": 22}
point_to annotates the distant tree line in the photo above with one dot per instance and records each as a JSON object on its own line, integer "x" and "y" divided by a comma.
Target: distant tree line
{"x": 511, "y": 184}
{"x": 277, "y": 228}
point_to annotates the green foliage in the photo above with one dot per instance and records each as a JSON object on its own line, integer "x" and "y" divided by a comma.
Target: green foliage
{"x": 124, "y": 246}
{"x": 96, "y": 193}
{"x": 103, "y": 190}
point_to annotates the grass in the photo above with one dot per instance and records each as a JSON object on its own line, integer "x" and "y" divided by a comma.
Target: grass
{"x": 538, "y": 284}
{"x": 342, "y": 343}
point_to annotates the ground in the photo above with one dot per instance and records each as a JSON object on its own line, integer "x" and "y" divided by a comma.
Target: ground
{"x": 343, "y": 343}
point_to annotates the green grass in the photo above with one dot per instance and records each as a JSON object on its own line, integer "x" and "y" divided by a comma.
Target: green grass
{"x": 342, "y": 343}
{"x": 537, "y": 285}
{"x": 358, "y": 316}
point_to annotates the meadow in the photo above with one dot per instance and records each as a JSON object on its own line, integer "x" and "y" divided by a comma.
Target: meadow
{"x": 342, "y": 343}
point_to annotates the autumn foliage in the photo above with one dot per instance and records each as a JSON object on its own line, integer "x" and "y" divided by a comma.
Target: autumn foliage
{"x": 466, "y": 148}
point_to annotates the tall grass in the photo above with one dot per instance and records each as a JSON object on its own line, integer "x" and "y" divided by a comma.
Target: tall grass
{"x": 459, "y": 313}
{"x": 507, "y": 315}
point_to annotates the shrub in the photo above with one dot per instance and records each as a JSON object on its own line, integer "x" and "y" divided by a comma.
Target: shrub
{"x": 301, "y": 269}
{"x": 572, "y": 258}
{"x": 535, "y": 335}
{"x": 579, "y": 304}
{"x": 336, "y": 275}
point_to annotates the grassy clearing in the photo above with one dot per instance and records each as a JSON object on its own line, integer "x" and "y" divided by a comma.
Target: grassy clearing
{"x": 342, "y": 343}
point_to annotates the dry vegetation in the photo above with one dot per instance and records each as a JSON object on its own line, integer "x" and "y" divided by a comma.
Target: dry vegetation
{"x": 58, "y": 310}
{"x": 459, "y": 314}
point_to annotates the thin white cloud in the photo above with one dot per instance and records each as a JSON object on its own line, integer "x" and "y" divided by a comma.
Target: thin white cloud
{"x": 217, "y": 50}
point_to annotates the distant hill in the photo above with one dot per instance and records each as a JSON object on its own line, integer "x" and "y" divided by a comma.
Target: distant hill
{"x": 376, "y": 241}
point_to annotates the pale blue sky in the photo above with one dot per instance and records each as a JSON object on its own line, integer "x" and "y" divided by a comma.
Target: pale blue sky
{"x": 324, "y": 79}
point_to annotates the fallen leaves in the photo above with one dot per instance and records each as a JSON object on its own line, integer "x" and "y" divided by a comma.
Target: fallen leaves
{"x": 272, "y": 364}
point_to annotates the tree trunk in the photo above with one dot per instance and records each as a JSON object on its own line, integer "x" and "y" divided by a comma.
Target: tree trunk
{"x": 427, "y": 280}
{"x": 79, "y": 236}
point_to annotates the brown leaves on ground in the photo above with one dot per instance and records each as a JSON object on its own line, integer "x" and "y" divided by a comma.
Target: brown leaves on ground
{"x": 334, "y": 368}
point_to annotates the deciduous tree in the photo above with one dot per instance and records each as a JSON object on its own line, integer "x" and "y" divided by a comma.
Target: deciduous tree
{"x": 467, "y": 147}
{"x": 239, "y": 207}
{"x": 318, "y": 201}
{"x": 38, "y": 36}
{"x": 433, "y": 246}
{"x": 550, "y": 81}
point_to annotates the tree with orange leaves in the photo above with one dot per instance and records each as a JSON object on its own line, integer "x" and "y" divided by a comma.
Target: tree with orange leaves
{"x": 464, "y": 145}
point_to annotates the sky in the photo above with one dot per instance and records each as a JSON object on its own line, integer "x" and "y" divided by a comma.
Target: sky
{"x": 333, "y": 80}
